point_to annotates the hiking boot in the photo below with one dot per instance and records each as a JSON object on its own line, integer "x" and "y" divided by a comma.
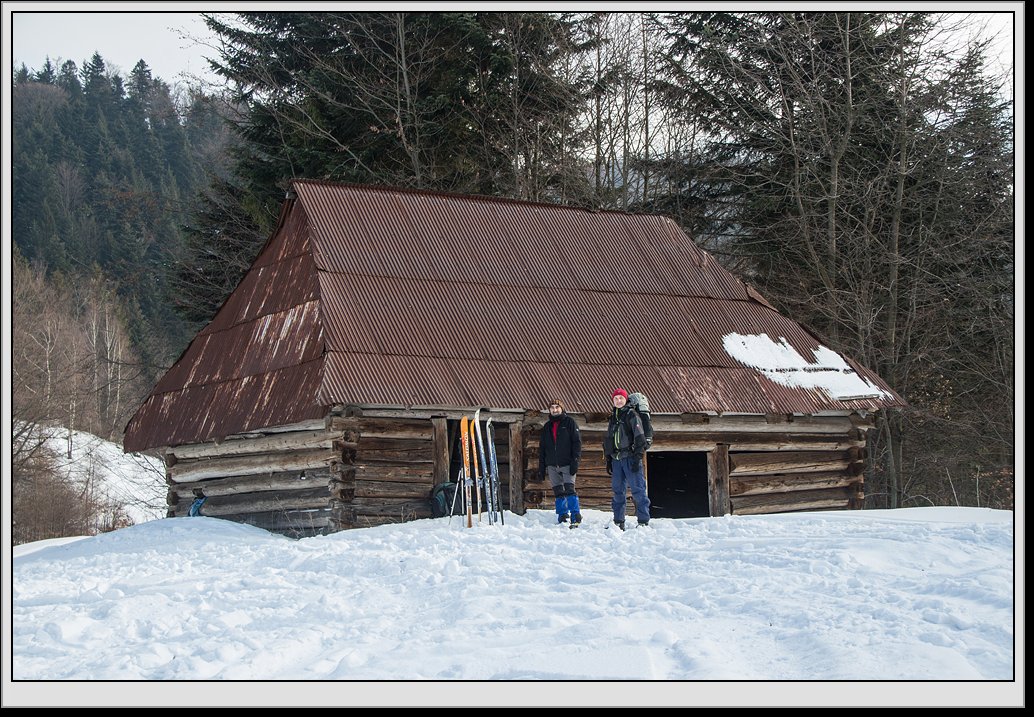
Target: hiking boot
{"x": 563, "y": 518}
{"x": 576, "y": 520}
{"x": 643, "y": 523}
{"x": 620, "y": 524}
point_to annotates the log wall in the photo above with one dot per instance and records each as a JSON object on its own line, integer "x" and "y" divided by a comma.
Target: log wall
{"x": 387, "y": 473}
{"x": 279, "y": 481}
{"x": 358, "y": 470}
{"x": 350, "y": 471}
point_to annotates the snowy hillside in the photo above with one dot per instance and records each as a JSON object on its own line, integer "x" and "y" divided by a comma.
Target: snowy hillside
{"x": 135, "y": 481}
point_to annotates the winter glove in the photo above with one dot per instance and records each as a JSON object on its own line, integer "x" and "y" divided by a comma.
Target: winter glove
{"x": 610, "y": 464}
{"x": 574, "y": 469}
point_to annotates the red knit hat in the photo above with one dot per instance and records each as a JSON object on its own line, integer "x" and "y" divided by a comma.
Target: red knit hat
{"x": 619, "y": 392}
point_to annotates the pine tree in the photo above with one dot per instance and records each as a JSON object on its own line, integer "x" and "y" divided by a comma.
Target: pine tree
{"x": 467, "y": 102}
{"x": 851, "y": 156}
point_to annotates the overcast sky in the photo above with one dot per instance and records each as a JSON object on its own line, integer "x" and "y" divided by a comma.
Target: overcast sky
{"x": 171, "y": 43}
{"x": 174, "y": 43}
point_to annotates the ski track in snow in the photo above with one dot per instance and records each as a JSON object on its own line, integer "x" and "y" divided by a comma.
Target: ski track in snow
{"x": 819, "y": 596}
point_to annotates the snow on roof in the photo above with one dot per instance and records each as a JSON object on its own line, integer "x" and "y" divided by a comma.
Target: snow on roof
{"x": 781, "y": 363}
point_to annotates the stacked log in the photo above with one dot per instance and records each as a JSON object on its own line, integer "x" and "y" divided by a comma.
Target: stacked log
{"x": 360, "y": 471}
{"x": 388, "y": 472}
{"x": 277, "y": 480}
{"x": 796, "y": 480}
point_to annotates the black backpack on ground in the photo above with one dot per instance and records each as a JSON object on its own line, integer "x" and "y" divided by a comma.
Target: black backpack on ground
{"x": 441, "y": 499}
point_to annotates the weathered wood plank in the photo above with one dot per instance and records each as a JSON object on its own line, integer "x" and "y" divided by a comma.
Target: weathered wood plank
{"x": 314, "y": 424}
{"x": 440, "y": 450}
{"x": 403, "y": 457}
{"x": 756, "y": 485}
{"x": 832, "y": 498}
{"x": 259, "y": 502}
{"x": 788, "y": 462}
{"x": 394, "y": 451}
{"x": 392, "y": 489}
{"x": 375, "y": 443}
{"x": 406, "y": 473}
{"x": 287, "y": 480}
{"x": 343, "y": 493}
{"x": 408, "y": 509}
{"x": 425, "y": 413}
{"x": 516, "y": 452}
{"x": 274, "y": 443}
{"x": 372, "y": 521}
{"x": 204, "y": 468}
{"x": 373, "y": 427}
{"x": 285, "y": 521}
{"x": 718, "y": 480}
{"x": 753, "y": 441}
{"x": 387, "y": 428}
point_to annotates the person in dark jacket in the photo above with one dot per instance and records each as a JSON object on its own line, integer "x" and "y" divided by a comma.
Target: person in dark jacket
{"x": 560, "y": 450}
{"x": 624, "y": 447}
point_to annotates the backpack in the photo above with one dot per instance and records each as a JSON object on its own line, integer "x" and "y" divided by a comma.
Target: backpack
{"x": 642, "y": 407}
{"x": 441, "y": 499}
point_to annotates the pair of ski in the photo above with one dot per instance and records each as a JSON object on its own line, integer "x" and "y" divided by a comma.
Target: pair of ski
{"x": 484, "y": 478}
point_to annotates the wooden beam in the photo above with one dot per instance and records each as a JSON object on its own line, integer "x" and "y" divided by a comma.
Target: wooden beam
{"x": 314, "y": 424}
{"x": 833, "y": 498}
{"x": 275, "y": 443}
{"x": 499, "y": 415}
{"x": 760, "y": 441}
{"x": 297, "y": 523}
{"x": 759, "y": 485}
{"x": 788, "y": 462}
{"x": 753, "y": 424}
{"x": 286, "y": 480}
{"x": 259, "y": 502}
{"x": 440, "y": 450}
{"x": 402, "y": 472}
{"x": 402, "y": 509}
{"x": 392, "y": 489}
{"x": 201, "y": 469}
{"x": 516, "y": 469}
{"x": 718, "y": 480}
{"x": 394, "y": 450}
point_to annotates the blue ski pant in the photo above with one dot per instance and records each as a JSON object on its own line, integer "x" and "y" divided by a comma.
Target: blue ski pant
{"x": 622, "y": 479}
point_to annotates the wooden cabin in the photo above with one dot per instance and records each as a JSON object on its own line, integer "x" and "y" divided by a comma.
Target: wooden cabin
{"x": 327, "y": 391}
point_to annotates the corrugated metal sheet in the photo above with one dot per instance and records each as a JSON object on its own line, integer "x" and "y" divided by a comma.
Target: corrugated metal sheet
{"x": 395, "y": 297}
{"x": 257, "y": 363}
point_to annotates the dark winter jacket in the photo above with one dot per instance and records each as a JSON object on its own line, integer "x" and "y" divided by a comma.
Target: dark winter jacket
{"x": 565, "y": 449}
{"x": 625, "y": 435}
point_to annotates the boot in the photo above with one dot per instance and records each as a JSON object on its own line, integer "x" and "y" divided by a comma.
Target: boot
{"x": 620, "y": 524}
{"x": 573, "y": 506}
{"x": 563, "y": 513}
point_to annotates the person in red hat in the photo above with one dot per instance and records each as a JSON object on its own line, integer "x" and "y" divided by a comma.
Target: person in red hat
{"x": 624, "y": 447}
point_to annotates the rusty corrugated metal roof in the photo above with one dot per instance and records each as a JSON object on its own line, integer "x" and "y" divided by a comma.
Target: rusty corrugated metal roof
{"x": 259, "y": 362}
{"x": 374, "y": 296}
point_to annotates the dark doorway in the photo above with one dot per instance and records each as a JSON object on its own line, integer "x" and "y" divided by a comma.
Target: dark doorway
{"x": 677, "y": 484}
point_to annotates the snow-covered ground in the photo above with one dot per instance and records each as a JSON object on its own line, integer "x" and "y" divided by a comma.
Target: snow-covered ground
{"x": 916, "y": 604}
